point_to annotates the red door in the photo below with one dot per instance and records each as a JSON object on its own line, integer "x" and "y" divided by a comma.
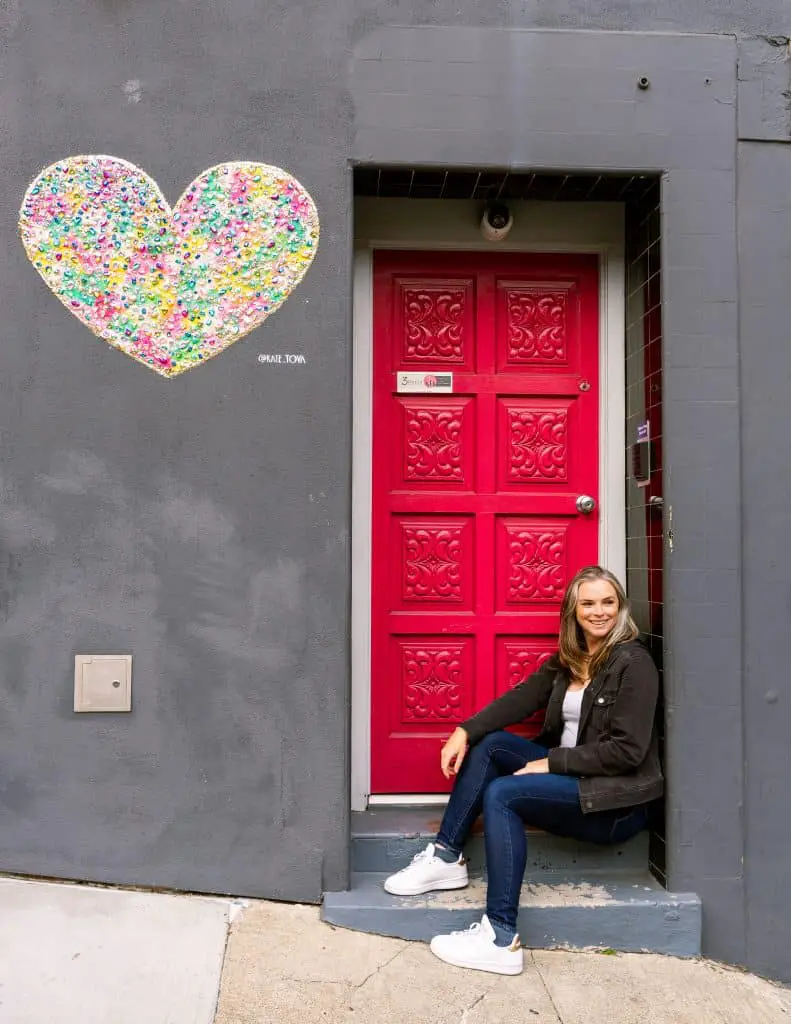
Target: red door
{"x": 475, "y": 524}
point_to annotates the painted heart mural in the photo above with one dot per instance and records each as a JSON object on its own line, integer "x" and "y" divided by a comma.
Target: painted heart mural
{"x": 170, "y": 288}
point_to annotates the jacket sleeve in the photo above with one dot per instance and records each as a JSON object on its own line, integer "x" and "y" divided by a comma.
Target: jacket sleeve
{"x": 625, "y": 746}
{"x": 524, "y": 699}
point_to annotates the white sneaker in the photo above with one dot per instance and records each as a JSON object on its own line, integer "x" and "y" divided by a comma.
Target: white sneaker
{"x": 427, "y": 872}
{"x": 475, "y": 948}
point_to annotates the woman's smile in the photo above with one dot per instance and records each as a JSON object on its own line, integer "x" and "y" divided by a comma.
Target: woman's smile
{"x": 597, "y": 610}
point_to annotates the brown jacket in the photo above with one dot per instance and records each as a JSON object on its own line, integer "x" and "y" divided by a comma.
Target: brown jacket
{"x": 617, "y": 751}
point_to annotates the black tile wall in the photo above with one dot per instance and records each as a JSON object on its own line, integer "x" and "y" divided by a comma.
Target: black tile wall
{"x": 644, "y": 517}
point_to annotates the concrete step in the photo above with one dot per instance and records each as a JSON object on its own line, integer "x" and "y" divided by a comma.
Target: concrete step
{"x": 385, "y": 839}
{"x": 628, "y": 913}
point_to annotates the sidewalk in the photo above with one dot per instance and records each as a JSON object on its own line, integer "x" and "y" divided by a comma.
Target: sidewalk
{"x": 282, "y": 964}
{"x": 85, "y": 955}
{"x": 80, "y": 955}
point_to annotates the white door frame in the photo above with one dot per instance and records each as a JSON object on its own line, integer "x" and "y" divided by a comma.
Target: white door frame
{"x": 452, "y": 225}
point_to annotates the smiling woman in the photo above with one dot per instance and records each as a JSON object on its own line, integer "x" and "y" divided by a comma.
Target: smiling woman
{"x": 594, "y": 618}
{"x": 590, "y": 774}
{"x": 597, "y": 608}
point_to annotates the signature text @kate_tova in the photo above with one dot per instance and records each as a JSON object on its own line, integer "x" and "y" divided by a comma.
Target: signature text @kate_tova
{"x": 282, "y": 358}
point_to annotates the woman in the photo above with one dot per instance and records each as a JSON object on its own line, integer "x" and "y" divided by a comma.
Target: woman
{"x": 590, "y": 774}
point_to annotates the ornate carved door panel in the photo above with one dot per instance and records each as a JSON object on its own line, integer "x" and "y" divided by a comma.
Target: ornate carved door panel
{"x": 475, "y": 523}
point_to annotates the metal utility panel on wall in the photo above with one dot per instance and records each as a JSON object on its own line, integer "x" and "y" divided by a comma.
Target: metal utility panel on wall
{"x": 103, "y": 682}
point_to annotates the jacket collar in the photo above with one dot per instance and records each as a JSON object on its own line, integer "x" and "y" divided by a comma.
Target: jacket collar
{"x": 594, "y": 688}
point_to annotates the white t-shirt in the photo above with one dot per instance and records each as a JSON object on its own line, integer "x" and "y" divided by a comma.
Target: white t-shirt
{"x": 572, "y": 706}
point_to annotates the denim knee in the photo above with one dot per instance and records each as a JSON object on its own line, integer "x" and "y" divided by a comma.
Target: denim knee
{"x": 485, "y": 746}
{"x": 494, "y": 795}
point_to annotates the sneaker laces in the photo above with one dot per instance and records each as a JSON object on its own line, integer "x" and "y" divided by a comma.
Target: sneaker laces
{"x": 426, "y": 854}
{"x": 472, "y": 930}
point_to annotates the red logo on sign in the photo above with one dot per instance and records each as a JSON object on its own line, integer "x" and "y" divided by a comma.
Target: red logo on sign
{"x": 430, "y": 380}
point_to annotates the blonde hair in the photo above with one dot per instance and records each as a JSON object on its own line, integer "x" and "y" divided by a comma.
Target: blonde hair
{"x": 573, "y": 648}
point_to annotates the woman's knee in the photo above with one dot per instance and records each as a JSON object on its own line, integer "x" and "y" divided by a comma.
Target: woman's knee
{"x": 484, "y": 748}
{"x": 496, "y": 794}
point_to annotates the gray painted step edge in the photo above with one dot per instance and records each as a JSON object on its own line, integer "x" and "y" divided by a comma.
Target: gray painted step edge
{"x": 389, "y": 853}
{"x": 555, "y": 912}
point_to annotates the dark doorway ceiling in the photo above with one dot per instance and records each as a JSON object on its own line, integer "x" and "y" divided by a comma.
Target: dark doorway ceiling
{"x": 421, "y": 183}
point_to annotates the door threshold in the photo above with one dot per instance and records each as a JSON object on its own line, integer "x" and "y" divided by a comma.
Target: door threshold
{"x": 408, "y": 800}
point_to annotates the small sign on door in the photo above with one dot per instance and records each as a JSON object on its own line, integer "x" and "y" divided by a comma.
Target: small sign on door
{"x": 641, "y": 455}
{"x": 424, "y": 383}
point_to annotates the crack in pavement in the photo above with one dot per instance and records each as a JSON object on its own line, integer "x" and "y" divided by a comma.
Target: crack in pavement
{"x": 546, "y": 987}
{"x": 381, "y": 967}
{"x": 223, "y": 962}
{"x": 330, "y": 981}
{"x": 466, "y": 1013}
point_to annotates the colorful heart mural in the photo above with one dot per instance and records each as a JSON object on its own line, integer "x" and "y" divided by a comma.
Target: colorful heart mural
{"x": 170, "y": 288}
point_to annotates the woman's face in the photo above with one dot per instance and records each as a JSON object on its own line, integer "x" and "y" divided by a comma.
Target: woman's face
{"x": 597, "y": 610}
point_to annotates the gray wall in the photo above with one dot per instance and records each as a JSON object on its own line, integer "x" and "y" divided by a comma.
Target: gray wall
{"x": 202, "y": 523}
{"x": 765, "y": 305}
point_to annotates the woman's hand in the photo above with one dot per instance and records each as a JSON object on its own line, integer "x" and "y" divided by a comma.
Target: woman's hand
{"x": 540, "y": 767}
{"x": 454, "y": 752}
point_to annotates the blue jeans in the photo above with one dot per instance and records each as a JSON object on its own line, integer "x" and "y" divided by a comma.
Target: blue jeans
{"x": 509, "y": 802}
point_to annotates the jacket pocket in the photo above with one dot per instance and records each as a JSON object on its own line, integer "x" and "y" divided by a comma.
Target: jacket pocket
{"x": 602, "y": 705}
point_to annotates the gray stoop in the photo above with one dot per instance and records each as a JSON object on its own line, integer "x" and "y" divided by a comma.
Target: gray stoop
{"x": 575, "y": 895}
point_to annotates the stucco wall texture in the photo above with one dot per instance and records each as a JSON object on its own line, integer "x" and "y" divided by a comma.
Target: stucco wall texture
{"x": 202, "y": 523}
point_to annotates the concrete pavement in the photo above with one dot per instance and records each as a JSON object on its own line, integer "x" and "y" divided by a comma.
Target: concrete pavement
{"x": 83, "y": 955}
{"x": 283, "y": 965}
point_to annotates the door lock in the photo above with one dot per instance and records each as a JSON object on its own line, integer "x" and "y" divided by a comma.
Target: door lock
{"x": 586, "y": 504}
